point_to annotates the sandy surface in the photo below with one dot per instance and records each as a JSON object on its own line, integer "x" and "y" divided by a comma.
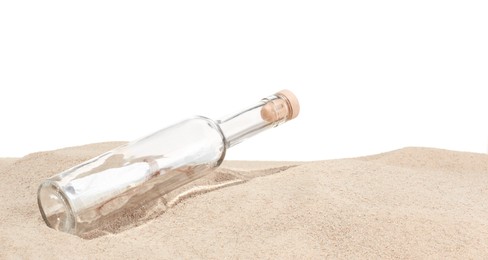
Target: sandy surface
{"x": 408, "y": 203}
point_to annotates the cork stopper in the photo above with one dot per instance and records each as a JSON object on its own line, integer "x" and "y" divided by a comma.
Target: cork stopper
{"x": 292, "y": 102}
{"x": 286, "y": 106}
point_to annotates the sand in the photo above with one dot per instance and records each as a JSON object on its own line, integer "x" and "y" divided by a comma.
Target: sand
{"x": 408, "y": 203}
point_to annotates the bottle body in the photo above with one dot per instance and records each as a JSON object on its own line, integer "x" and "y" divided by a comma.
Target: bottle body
{"x": 98, "y": 191}
{"x": 130, "y": 180}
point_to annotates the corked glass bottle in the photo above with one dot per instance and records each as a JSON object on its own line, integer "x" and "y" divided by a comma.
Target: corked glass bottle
{"x": 116, "y": 183}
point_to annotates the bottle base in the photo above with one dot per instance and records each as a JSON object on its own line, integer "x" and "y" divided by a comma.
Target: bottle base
{"x": 55, "y": 208}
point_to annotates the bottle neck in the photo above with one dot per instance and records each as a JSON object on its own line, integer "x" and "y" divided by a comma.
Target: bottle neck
{"x": 268, "y": 113}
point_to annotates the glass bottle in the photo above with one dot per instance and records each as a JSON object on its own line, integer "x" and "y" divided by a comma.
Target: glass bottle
{"x": 117, "y": 183}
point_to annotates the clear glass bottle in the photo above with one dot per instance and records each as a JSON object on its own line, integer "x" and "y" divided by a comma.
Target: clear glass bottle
{"x": 119, "y": 182}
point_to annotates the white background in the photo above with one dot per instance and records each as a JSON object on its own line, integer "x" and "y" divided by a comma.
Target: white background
{"x": 371, "y": 76}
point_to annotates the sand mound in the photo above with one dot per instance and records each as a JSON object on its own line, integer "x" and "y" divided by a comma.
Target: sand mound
{"x": 409, "y": 203}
